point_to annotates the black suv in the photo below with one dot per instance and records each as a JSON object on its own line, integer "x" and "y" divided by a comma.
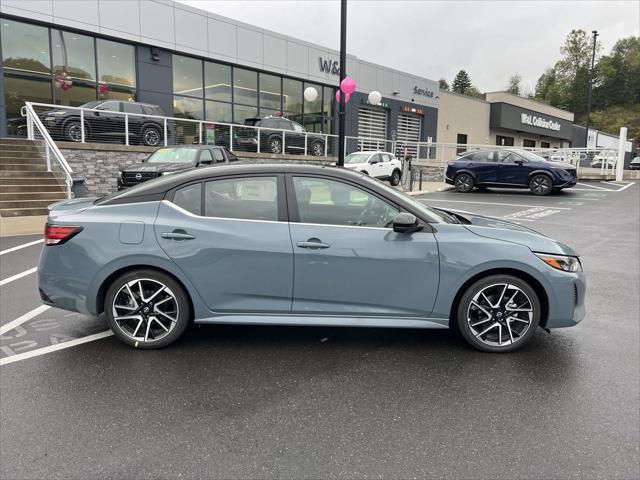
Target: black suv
{"x": 170, "y": 160}
{"x": 107, "y": 123}
{"x": 271, "y": 141}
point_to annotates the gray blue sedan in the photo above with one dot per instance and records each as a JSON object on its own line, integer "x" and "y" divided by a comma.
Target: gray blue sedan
{"x": 301, "y": 245}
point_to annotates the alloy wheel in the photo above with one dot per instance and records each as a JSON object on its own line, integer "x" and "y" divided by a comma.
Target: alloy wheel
{"x": 317, "y": 149}
{"x": 145, "y": 310}
{"x": 464, "y": 183}
{"x": 74, "y": 132}
{"x": 151, "y": 137}
{"x": 500, "y": 314}
{"x": 540, "y": 184}
{"x": 276, "y": 146}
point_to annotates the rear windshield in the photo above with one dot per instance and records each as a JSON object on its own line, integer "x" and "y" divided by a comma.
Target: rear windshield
{"x": 173, "y": 155}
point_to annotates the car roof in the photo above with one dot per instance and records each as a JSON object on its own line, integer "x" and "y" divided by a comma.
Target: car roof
{"x": 156, "y": 189}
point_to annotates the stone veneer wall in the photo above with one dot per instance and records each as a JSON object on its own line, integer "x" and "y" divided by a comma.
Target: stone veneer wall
{"x": 98, "y": 164}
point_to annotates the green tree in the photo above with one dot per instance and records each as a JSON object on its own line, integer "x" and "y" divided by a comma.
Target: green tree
{"x": 473, "y": 91}
{"x": 461, "y": 83}
{"x": 444, "y": 85}
{"x": 618, "y": 75}
{"x": 515, "y": 84}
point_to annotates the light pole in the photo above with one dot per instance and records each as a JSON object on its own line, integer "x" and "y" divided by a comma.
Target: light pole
{"x": 593, "y": 60}
{"x": 343, "y": 69}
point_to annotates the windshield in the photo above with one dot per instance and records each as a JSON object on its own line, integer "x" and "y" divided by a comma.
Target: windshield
{"x": 532, "y": 157}
{"x": 357, "y": 157}
{"x": 173, "y": 155}
{"x": 92, "y": 104}
{"x": 431, "y": 214}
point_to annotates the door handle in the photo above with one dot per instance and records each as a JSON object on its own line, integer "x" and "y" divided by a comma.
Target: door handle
{"x": 313, "y": 244}
{"x": 177, "y": 235}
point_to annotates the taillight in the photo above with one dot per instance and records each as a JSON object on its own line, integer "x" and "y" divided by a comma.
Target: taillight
{"x": 56, "y": 234}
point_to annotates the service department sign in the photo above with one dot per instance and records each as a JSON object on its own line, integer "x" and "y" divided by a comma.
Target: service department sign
{"x": 541, "y": 122}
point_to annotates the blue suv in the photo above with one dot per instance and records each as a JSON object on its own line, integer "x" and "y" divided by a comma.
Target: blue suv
{"x": 509, "y": 169}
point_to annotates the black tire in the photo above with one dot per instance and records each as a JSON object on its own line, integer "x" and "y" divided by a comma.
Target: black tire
{"x": 151, "y": 136}
{"x": 396, "y": 177}
{"x": 464, "y": 313}
{"x": 464, "y": 183}
{"x": 275, "y": 145}
{"x": 73, "y": 132}
{"x": 182, "y": 311}
{"x": 541, "y": 184}
{"x": 317, "y": 149}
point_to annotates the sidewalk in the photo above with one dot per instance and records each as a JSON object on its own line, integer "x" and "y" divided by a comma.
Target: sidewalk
{"x": 12, "y": 226}
{"x": 429, "y": 187}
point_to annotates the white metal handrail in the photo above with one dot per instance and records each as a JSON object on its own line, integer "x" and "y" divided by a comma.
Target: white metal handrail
{"x": 34, "y": 122}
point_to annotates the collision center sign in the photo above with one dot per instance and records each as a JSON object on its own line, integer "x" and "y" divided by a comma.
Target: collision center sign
{"x": 535, "y": 121}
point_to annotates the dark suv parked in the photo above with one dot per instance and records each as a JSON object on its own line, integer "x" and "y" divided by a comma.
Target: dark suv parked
{"x": 107, "y": 123}
{"x": 509, "y": 169}
{"x": 271, "y": 141}
{"x": 171, "y": 160}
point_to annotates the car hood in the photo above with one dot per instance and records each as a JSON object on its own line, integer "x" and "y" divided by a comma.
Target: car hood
{"x": 159, "y": 167}
{"x": 499, "y": 229}
{"x": 565, "y": 165}
{"x": 355, "y": 166}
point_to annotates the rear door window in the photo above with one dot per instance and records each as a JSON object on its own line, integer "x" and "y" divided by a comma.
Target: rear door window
{"x": 131, "y": 107}
{"x": 189, "y": 198}
{"x": 246, "y": 198}
{"x": 218, "y": 156}
{"x": 480, "y": 157}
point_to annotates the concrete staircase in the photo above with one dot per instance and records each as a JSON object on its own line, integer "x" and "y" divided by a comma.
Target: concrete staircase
{"x": 26, "y": 188}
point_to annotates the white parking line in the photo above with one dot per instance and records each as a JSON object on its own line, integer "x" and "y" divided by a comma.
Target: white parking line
{"x": 24, "y": 318}
{"x": 595, "y": 186}
{"x": 427, "y": 200}
{"x": 19, "y": 247}
{"x": 626, "y": 186}
{"x": 55, "y": 347}
{"x": 18, "y": 276}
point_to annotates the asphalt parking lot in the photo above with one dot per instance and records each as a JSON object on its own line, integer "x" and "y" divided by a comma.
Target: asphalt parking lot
{"x": 264, "y": 402}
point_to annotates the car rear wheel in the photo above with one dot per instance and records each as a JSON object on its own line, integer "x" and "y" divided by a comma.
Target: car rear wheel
{"x": 541, "y": 184}
{"x": 147, "y": 309}
{"x": 73, "y": 132}
{"x": 151, "y": 136}
{"x": 498, "y": 313}
{"x": 275, "y": 145}
{"x": 395, "y": 178}
{"x": 464, "y": 183}
{"x": 317, "y": 149}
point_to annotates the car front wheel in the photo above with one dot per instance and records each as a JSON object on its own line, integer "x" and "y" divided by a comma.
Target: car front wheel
{"x": 541, "y": 184}
{"x": 73, "y": 132}
{"x": 151, "y": 136}
{"x": 498, "y": 313}
{"x": 464, "y": 183}
{"x": 317, "y": 149}
{"x": 147, "y": 309}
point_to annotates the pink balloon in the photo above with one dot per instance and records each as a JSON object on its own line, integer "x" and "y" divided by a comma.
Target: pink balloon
{"x": 346, "y": 97}
{"x": 348, "y": 85}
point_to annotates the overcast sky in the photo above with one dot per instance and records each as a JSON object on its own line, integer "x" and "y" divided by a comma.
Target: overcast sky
{"x": 435, "y": 39}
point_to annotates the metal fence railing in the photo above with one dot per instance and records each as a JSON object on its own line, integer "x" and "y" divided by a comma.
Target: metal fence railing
{"x": 83, "y": 125}
{"x": 56, "y": 162}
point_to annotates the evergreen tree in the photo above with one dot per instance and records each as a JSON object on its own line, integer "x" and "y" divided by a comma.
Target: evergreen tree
{"x": 461, "y": 83}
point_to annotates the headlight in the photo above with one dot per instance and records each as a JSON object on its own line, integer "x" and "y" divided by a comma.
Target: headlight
{"x": 120, "y": 174}
{"x": 166, "y": 173}
{"x": 561, "y": 262}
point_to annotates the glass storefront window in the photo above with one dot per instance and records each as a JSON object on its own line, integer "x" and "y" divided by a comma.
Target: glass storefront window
{"x": 116, "y": 63}
{"x": 313, "y": 110}
{"x": 116, "y": 92}
{"x": 270, "y": 94}
{"x": 291, "y": 96}
{"x": 245, "y": 86}
{"x": 242, "y": 112}
{"x": 187, "y": 76}
{"x": 218, "y": 112}
{"x": 25, "y": 47}
{"x": 73, "y": 55}
{"x": 217, "y": 81}
{"x": 17, "y": 90}
{"x": 78, "y": 93}
{"x": 185, "y": 107}
{"x": 327, "y": 101}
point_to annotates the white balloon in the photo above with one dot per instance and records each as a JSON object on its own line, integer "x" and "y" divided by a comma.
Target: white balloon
{"x": 310, "y": 94}
{"x": 375, "y": 98}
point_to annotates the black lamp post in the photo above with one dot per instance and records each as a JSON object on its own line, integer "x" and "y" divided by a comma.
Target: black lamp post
{"x": 343, "y": 69}
{"x": 593, "y": 61}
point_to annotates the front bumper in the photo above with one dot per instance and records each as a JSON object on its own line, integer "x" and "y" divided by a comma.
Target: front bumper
{"x": 566, "y": 300}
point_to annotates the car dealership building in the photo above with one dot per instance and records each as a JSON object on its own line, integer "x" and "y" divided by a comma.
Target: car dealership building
{"x": 195, "y": 64}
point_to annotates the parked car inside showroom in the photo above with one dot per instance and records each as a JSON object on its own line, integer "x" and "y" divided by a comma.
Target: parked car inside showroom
{"x": 507, "y": 168}
{"x": 279, "y": 135}
{"x": 172, "y": 160}
{"x": 635, "y": 164}
{"x": 104, "y": 122}
{"x": 301, "y": 245}
{"x": 377, "y": 164}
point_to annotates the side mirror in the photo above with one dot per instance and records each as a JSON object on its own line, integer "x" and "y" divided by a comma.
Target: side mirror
{"x": 373, "y": 161}
{"x": 406, "y": 223}
{"x": 519, "y": 162}
{"x": 205, "y": 162}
